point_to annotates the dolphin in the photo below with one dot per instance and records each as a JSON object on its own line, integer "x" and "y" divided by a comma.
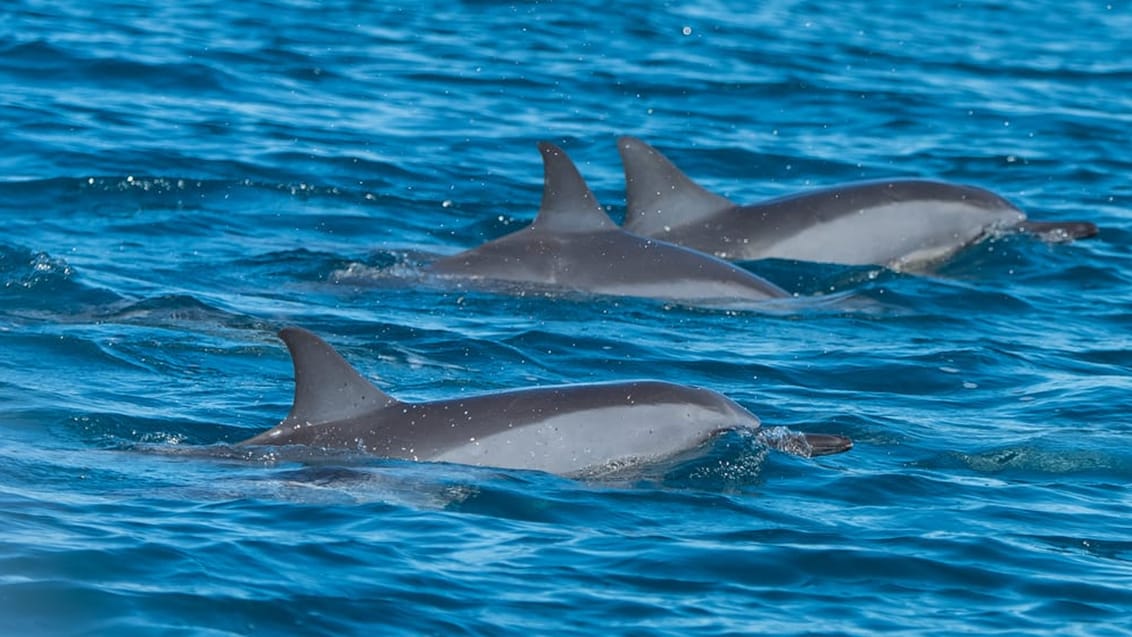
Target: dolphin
{"x": 899, "y": 223}
{"x": 573, "y": 245}
{"x": 559, "y": 429}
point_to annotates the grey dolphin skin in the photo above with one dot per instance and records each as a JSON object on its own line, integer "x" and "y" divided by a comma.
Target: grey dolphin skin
{"x": 564, "y": 429}
{"x": 573, "y": 245}
{"x": 900, "y": 223}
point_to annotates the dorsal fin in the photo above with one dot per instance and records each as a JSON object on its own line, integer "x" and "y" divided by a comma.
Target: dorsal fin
{"x": 326, "y": 386}
{"x": 658, "y": 195}
{"x": 567, "y": 203}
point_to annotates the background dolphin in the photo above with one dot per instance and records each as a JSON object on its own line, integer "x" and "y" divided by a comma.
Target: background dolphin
{"x": 574, "y": 245}
{"x": 564, "y": 429}
{"x": 902, "y": 223}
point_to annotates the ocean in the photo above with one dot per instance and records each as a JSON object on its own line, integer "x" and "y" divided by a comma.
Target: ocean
{"x": 179, "y": 181}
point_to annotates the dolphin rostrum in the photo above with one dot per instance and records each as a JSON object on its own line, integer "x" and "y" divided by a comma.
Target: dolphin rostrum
{"x": 573, "y": 245}
{"x": 561, "y": 429}
{"x": 900, "y": 223}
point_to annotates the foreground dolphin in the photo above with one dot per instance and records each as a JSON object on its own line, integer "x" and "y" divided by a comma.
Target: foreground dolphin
{"x": 564, "y": 429}
{"x": 573, "y": 245}
{"x": 903, "y": 224}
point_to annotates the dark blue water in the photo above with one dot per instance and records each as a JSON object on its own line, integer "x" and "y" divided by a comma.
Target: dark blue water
{"x": 178, "y": 182}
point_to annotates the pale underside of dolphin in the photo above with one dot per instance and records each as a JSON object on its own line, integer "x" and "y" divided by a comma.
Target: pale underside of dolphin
{"x": 573, "y": 245}
{"x": 563, "y": 429}
{"x": 900, "y": 223}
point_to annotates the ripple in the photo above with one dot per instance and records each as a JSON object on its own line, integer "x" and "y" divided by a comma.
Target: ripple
{"x": 181, "y": 180}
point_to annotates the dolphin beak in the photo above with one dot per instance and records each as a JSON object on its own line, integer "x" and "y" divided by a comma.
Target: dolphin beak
{"x": 827, "y": 444}
{"x": 1060, "y": 231}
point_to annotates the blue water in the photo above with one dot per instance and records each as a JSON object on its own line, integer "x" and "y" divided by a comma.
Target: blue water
{"x": 177, "y": 182}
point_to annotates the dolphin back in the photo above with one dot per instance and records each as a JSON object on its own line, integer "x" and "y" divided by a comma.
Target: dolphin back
{"x": 573, "y": 245}
{"x": 568, "y": 204}
{"x": 659, "y": 196}
{"x": 327, "y": 389}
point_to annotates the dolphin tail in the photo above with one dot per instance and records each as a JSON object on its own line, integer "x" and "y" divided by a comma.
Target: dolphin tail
{"x": 1059, "y": 231}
